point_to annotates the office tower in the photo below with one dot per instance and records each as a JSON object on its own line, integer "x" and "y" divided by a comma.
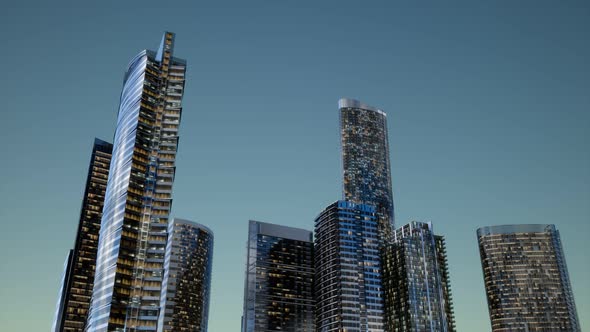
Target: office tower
{"x": 526, "y": 279}
{"x": 416, "y": 282}
{"x": 187, "y": 277}
{"x": 79, "y": 278}
{"x": 365, "y": 159}
{"x": 347, "y": 269}
{"x": 279, "y": 279}
{"x": 132, "y": 244}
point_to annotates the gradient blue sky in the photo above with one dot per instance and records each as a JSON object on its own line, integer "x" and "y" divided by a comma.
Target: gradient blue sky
{"x": 488, "y": 108}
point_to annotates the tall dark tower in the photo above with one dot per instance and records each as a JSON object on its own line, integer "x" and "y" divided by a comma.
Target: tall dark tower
{"x": 365, "y": 159}
{"x": 347, "y": 287}
{"x": 78, "y": 278}
{"x": 279, "y": 279}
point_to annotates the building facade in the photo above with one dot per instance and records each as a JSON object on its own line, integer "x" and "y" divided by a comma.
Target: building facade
{"x": 347, "y": 287}
{"x": 443, "y": 269}
{"x": 416, "y": 281}
{"x": 132, "y": 243}
{"x": 526, "y": 279}
{"x": 279, "y": 279}
{"x": 187, "y": 278}
{"x": 79, "y": 278}
{"x": 365, "y": 159}
{"x": 56, "y": 326}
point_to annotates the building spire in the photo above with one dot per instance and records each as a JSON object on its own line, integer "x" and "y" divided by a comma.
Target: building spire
{"x": 166, "y": 45}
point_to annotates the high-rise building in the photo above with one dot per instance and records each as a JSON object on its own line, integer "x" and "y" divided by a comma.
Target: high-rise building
{"x": 61, "y": 295}
{"x": 132, "y": 243}
{"x": 187, "y": 277}
{"x": 443, "y": 269}
{"x": 79, "y": 277}
{"x": 416, "y": 282}
{"x": 279, "y": 279}
{"x": 526, "y": 278}
{"x": 347, "y": 287}
{"x": 365, "y": 159}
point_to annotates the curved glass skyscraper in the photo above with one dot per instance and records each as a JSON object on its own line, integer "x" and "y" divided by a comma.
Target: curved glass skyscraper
{"x": 187, "y": 278}
{"x": 526, "y": 279}
{"x": 365, "y": 159}
{"x": 129, "y": 266}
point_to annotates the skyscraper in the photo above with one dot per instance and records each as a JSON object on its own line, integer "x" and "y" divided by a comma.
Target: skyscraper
{"x": 443, "y": 269}
{"x": 78, "y": 281}
{"x": 129, "y": 266}
{"x": 415, "y": 280}
{"x": 365, "y": 159}
{"x": 61, "y": 295}
{"x": 187, "y": 277}
{"x": 279, "y": 279}
{"x": 526, "y": 279}
{"x": 347, "y": 269}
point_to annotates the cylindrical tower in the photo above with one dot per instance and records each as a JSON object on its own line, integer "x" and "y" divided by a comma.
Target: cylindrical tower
{"x": 365, "y": 159}
{"x": 187, "y": 277}
{"x": 526, "y": 278}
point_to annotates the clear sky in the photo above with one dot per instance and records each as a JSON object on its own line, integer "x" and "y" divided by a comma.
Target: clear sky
{"x": 488, "y": 107}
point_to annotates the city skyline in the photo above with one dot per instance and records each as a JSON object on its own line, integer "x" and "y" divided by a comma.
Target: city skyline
{"x": 487, "y": 182}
